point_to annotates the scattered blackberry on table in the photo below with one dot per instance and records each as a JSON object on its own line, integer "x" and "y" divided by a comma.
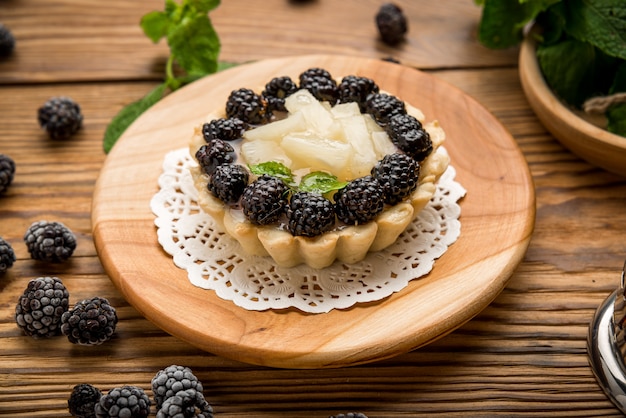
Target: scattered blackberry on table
{"x": 276, "y": 90}
{"x": 40, "y": 308}
{"x": 320, "y": 84}
{"x": 7, "y": 256}
{"x": 391, "y": 23}
{"x": 228, "y": 182}
{"x": 360, "y": 201}
{"x": 356, "y": 89}
{"x": 83, "y": 400}
{"x": 214, "y": 154}
{"x": 407, "y": 133}
{"x": 60, "y": 117}
{"x": 123, "y": 402}
{"x": 7, "y": 41}
{"x": 226, "y": 129}
{"x": 264, "y": 200}
{"x": 309, "y": 214}
{"x": 382, "y": 107}
{"x": 398, "y": 174}
{"x": 349, "y": 415}
{"x": 7, "y": 172}
{"x": 171, "y": 380}
{"x": 90, "y": 322}
{"x": 50, "y": 241}
{"x": 186, "y": 404}
{"x": 248, "y": 106}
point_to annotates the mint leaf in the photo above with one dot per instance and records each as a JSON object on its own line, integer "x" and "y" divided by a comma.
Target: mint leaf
{"x": 503, "y": 21}
{"x": 204, "y": 6}
{"x": 155, "y": 25}
{"x": 128, "y": 115}
{"x": 195, "y": 44}
{"x": 320, "y": 182}
{"x": 602, "y": 23}
{"x": 273, "y": 168}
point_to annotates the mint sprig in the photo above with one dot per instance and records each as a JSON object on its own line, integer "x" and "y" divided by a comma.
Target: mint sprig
{"x": 194, "y": 49}
{"x": 319, "y": 182}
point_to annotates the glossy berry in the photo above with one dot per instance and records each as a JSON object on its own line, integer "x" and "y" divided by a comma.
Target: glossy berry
{"x": 310, "y": 214}
{"x": 171, "y": 380}
{"x": 83, "y": 399}
{"x": 391, "y": 23}
{"x": 320, "y": 84}
{"x": 264, "y": 200}
{"x": 356, "y": 89}
{"x": 228, "y": 182}
{"x": 276, "y": 90}
{"x": 60, "y": 117}
{"x": 360, "y": 201}
{"x": 7, "y": 172}
{"x": 248, "y": 106}
{"x": 382, "y": 107}
{"x": 185, "y": 404}
{"x": 90, "y": 322}
{"x": 7, "y": 256}
{"x": 123, "y": 402}
{"x": 398, "y": 174}
{"x": 407, "y": 133}
{"x": 40, "y": 309}
{"x": 7, "y": 41}
{"x": 214, "y": 154}
{"x": 226, "y": 129}
{"x": 50, "y": 241}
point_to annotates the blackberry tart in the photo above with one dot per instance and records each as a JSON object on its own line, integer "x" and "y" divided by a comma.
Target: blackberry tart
{"x": 338, "y": 173}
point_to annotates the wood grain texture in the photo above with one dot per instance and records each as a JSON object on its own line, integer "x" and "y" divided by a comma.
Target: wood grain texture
{"x": 590, "y": 142}
{"x": 107, "y": 42}
{"x": 522, "y": 356}
{"x": 497, "y": 221}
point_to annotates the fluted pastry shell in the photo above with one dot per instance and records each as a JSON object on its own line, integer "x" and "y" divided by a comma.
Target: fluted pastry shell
{"x": 348, "y": 243}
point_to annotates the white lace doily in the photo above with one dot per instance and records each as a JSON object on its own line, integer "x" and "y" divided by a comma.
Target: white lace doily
{"x": 213, "y": 260}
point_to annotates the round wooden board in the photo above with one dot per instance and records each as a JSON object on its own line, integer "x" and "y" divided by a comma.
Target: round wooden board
{"x": 497, "y": 220}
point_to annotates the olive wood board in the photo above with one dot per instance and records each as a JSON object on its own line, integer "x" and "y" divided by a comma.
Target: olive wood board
{"x": 497, "y": 220}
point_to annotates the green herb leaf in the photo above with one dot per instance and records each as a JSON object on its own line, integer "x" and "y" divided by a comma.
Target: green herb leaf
{"x": 204, "y": 6}
{"x": 155, "y": 25}
{"x": 602, "y": 23}
{"x": 616, "y": 116}
{"x": 128, "y": 115}
{"x": 273, "y": 168}
{"x": 320, "y": 182}
{"x": 195, "y": 44}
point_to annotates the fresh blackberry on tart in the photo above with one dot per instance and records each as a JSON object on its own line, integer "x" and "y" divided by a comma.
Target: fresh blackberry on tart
{"x": 324, "y": 170}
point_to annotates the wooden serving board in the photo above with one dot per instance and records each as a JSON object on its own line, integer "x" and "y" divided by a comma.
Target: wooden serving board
{"x": 497, "y": 220}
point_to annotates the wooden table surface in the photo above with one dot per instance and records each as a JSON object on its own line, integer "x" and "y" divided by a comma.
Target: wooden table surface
{"x": 524, "y": 355}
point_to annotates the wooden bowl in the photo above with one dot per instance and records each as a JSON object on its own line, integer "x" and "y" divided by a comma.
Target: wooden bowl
{"x": 590, "y": 142}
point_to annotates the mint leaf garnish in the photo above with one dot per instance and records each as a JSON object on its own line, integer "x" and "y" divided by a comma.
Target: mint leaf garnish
{"x": 320, "y": 182}
{"x": 273, "y": 168}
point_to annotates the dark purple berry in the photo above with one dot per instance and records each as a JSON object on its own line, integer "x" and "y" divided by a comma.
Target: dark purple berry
{"x": 60, "y": 117}
{"x": 214, "y": 154}
{"x": 226, "y": 129}
{"x": 382, "y": 107}
{"x": 248, "y": 106}
{"x": 7, "y": 41}
{"x": 277, "y": 90}
{"x": 228, "y": 182}
{"x": 398, "y": 174}
{"x": 407, "y": 133}
{"x": 320, "y": 84}
{"x": 7, "y": 172}
{"x": 264, "y": 200}
{"x": 356, "y": 89}
{"x": 391, "y": 23}
{"x": 310, "y": 214}
{"x": 360, "y": 201}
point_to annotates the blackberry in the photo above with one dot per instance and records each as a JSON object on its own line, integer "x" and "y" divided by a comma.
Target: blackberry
{"x": 349, "y": 415}
{"x": 264, "y": 200}
{"x": 407, "y": 133}
{"x": 382, "y": 107}
{"x": 50, "y": 241}
{"x": 277, "y": 90}
{"x": 228, "y": 182}
{"x": 360, "y": 201}
{"x": 309, "y": 214}
{"x": 398, "y": 174}
{"x": 226, "y": 129}
{"x": 356, "y": 89}
{"x": 90, "y": 322}
{"x": 214, "y": 154}
{"x": 7, "y": 256}
{"x": 123, "y": 402}
{"x": 83, "y": 400}
{"x": 171, "y": 380}
{"x": 391, "y": 23}
{"x": 186, "y": 404}
{"x": 320, "y": 84}
{"x": 248, "y": 106}
{"x": 60, "y": 117}
{"x": 40, "y": 308}
{"x": 7, "y": 172}
{"x": 7, "y": 41}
